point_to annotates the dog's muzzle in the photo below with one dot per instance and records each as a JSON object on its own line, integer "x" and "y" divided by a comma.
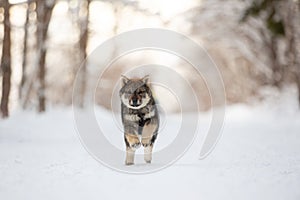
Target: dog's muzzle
{"x": 135, "y": 102}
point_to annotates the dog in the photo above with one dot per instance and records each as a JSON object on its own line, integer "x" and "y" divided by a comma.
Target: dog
{"x": 139, "y": 117}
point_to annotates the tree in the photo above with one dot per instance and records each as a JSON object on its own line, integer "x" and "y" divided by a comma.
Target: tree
{"x": 281, "y": 20}
{"x": 83, "y": 23}
{"x": 44, "y": 13}
{"x": 275, "y": 29}
{"x": 83, "y": 41}
{"x": 25, "y": 51}
{"x": 6, "y": 61}
{"x": 292, "y": 27}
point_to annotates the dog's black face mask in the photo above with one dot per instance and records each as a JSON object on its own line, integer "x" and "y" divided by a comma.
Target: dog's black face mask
{"x": 135, "y": 93}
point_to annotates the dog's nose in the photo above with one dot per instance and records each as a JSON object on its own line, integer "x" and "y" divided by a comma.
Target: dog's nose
{"x": 134, "y": 102}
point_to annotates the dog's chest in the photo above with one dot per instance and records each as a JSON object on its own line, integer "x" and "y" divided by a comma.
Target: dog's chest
{"x": 139, "y": 116}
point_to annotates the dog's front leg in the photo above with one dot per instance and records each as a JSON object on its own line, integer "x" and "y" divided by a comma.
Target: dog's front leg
{"x": 148, "y": 138}
{"x": 129, "y": 156}
{"x": 148, "y": 153}
{"x": 132, "y": 143}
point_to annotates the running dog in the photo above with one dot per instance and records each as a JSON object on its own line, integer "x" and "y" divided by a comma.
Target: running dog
{"x": 139, "y": 117}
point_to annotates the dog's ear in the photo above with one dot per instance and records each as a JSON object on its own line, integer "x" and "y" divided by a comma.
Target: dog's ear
{"x": 146, "y": 79}
{"x": 124, "y": 80}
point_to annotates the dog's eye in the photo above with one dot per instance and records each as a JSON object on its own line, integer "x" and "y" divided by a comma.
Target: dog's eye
{"x": 140, "y": 93}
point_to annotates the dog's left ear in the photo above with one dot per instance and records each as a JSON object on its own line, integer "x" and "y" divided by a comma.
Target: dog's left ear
{"x": 124, "y": 80}
{"x": 146, "y": 79}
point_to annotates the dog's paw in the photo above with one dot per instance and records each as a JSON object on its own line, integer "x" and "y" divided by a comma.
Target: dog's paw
{"x": 129, "y": 163}
{"x": 148, "y": 158}
{"x": 148, "y": 161}
{"x": 135, "y": 145}
{"x": 146, "y": 144}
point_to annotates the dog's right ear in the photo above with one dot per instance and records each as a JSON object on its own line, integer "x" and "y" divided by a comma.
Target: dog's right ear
{"x": 124, "y": 80}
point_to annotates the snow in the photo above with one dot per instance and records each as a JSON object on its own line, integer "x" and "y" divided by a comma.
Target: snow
{"x": 258, "y": 157}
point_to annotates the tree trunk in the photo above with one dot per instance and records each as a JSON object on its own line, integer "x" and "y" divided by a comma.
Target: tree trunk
{"x": 276, "y": 67}
{"x": 84, "y": 31}
{"x": 298, "y": 87}
{"x": 25, "y": 47}
{"x": 292, "y": 30}
{"x": 44, "y": 12}
{"x": 6, "y": 62}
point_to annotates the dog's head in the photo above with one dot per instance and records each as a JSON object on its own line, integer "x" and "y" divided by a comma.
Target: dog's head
{"x": 135, "y": 93}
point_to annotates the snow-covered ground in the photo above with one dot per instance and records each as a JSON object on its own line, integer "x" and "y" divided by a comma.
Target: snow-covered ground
{"x": 258, "y": 157}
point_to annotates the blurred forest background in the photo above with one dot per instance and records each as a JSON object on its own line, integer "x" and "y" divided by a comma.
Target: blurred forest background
{"x": 255, "y": 43}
